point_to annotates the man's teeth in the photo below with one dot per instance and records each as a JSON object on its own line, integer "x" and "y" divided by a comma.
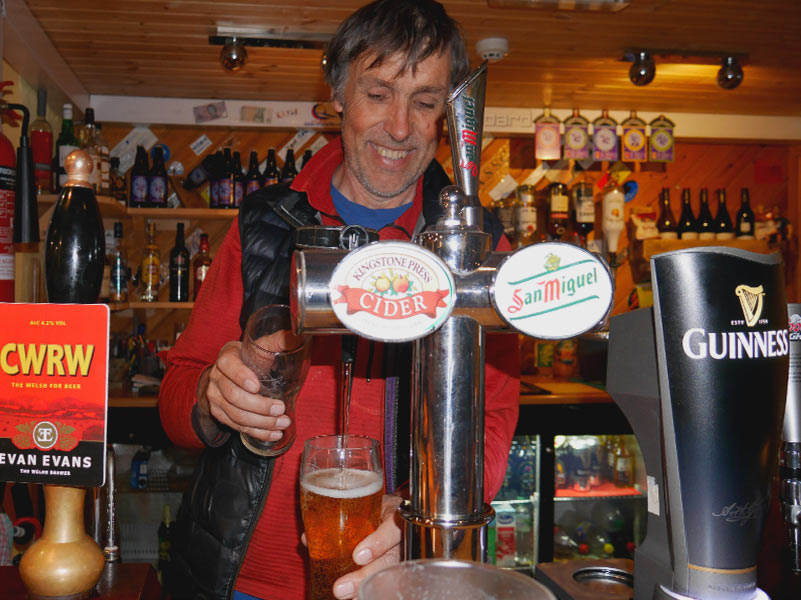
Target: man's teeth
{"x": 391, "y": 154}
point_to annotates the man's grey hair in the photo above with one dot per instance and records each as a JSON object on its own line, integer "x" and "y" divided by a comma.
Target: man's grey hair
{"x": 415, "y": 28}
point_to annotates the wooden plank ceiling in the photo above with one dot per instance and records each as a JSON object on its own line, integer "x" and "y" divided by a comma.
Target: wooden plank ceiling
{"x": 560, "y": 58}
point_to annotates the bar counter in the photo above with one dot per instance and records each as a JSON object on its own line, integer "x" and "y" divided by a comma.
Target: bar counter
{"x": 119, "y": 581}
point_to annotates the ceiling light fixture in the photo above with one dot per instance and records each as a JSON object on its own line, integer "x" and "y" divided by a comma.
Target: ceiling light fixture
{"x": 730, "y": 74}
{"x": 643, "y": 66}
{"x": 233, "y": 55}
{"x": 643, "y": 69}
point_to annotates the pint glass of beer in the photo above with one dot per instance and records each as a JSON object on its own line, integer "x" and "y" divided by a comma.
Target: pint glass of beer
{"x": 341, "y": 489}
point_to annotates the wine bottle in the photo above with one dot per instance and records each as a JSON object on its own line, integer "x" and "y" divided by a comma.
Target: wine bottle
{"x": 745, "y": 217}
{"x": 525, "y": 215}
{"x": 724, "y": 230}
{"x": 117, "y": 185}
{"x": 41, "y": 134}
{"x": 306, "y": 158}
{"x": 157, "y": 181}
{"x": 289, "y": 171}
{"x": 215, "y": 175}
{"x": 179, "y": 268}
{"x": 271, "y": 172}
{"x": 666, "y": 224}
{"x": 119, "y": 268}
{"x": 558, "y": 205}
{"x": 583, "y": 211}
{"x": 239, "y": 180}
{"x": 89, "y": 144}
{"x": 150, "y": 278}
{"x": 75, "y": 243}
{"x": 201, "y": 265}
{"x": 105, "y": 165}
{"x": 200, "y": 174}
{"x": 66, "y": 143}
{"x": 706, "y": 224}
{"x": 253, "y": 178}
{"x": 139, "y": 175}
{"x": 227, "y": 181}
{"x": 688, "y": 225}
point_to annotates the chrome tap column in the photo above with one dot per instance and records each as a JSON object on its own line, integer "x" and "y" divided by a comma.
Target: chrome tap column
{"x": 790, "y": 452}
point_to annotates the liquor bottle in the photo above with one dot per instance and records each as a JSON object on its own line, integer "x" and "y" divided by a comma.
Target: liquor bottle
{"x": 526, "y": 216}
{"x": 164, "y": 534}
{"x": 289, "y": 171}
{"x": 724, "y": 230}
{"x": 139, "y": 175}
{"x": 271, "y": 173}
{"x": 89, "y": 143}
{"x": 547, "y": 141}
{"x": 253, "y": 178}
{"x": 239, "y": 180}
{"x": 227, "y": 181}
{"x": 149, "y": 281}
{"x": 105, "y": 285}
{"x": 179, "y": 268}
{"x": 745, "y": 217}
{"x": 505, "y": 210}
{"x": 666, "y": 224}
{"x": 612, "y": 218}
{"x": 157, "y": 181}
{"x": 66, "y": 143}
{"x": 624, "y": 473}
{"x": 105, "y": 165}
{"x": 75, "y": 244}
{"x": 200, "y": 174}
{"x": 201, "y": 265}
{"x": 583, "y": 211}
{"x": 604, "y": 138}
{"x": 706, "y": 224}
{"x": 216, "y": 173}
{"x": 25, "y": 267}
{"x": 119, "y": 268}
{"x": 558, "y": 207}
{"x": 688, "y": 226}
{"x": 577, "y": 137}
{"x": 117, "y": 186}
{"x": 42, "y": 145}
{"x": 307, "y": 154}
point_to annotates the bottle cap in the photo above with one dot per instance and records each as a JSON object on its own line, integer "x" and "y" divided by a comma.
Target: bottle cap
{"x": 78, "y": 165}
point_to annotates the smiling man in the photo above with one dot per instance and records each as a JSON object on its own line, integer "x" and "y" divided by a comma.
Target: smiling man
{"x": 238, "y": 532}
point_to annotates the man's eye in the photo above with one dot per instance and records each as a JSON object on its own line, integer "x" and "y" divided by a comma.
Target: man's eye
{"x": 376, "y": 97}
{"x": 426, "y": 105}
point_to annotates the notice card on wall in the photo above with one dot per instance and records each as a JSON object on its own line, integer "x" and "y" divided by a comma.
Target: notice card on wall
{"x": 53, "y": 393}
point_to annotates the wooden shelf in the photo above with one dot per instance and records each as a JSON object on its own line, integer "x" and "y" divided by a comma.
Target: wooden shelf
{"x": 184, "y": 213}
{"x": 155, "y": 305}
{"x": 111, "y": 208}
{"x": 605, "y": 490}
{"x": 559, "y": 391}
{"x": 657, "y": 246}
{"x": 128, "y": 400}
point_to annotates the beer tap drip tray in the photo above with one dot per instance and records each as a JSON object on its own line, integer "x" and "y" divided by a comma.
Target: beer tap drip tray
{"x": 601, "y": 579}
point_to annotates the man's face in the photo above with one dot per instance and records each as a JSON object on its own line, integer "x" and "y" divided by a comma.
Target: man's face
{"x": 391, "y": 125}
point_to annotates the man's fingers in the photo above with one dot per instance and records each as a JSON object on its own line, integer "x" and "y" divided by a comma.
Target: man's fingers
{"x": 347, "y": 585}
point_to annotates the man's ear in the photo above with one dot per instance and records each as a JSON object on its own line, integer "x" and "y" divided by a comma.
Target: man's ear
{"x": 338, "y": 106}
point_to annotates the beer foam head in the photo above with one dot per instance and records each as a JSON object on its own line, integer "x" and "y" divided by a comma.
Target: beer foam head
{"x": 342, "y": 483}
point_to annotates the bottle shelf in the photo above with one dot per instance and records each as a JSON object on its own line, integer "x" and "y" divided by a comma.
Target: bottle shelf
{"x": 605, "y": 491}
{"x": 120, "y": 306}
{"x": 111, "y": 208}
{"x": 657, "y": 246}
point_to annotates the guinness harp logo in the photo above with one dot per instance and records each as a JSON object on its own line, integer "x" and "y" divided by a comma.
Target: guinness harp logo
{"x": 751, "y": 302}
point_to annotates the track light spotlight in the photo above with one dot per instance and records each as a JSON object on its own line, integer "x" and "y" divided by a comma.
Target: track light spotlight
{"x": 233, "y": 55}
{"x": 730, "y": 74}
{"x": 643, "y": 69}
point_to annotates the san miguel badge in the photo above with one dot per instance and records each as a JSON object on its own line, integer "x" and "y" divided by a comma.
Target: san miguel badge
{"x": 553, "y": 291}
{"x": 53, "y": 391}
{"x": 392, "y": 291}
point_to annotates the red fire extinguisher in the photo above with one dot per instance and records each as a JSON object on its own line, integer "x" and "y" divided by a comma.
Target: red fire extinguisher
{"x": 7, "y": 180}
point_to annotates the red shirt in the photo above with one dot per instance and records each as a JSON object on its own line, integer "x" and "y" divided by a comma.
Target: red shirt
{"x": 274, "y": 567}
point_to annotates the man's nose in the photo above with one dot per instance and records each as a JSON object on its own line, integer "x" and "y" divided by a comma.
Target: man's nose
{"x": 398, "y": 124}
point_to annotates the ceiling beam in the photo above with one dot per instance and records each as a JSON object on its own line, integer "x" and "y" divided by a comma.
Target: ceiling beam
{"x": 27, "y": 48}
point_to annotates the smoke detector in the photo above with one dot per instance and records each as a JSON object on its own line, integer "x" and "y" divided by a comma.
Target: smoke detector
{"x": 493, "y": 49}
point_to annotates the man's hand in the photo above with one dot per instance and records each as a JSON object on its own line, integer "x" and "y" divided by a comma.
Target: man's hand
{"x": 228, "y": 395}
{"x": 378, "y": 550}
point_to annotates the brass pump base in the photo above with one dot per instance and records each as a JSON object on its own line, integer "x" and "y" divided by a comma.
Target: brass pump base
{"x": 65, "y": 563}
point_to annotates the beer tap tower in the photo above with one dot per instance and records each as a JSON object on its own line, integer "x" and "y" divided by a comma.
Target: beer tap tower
{"x": 444, "y": 291}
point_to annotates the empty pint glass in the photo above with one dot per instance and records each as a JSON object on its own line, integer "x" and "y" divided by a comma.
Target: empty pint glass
{"x": 341, "y": 489}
